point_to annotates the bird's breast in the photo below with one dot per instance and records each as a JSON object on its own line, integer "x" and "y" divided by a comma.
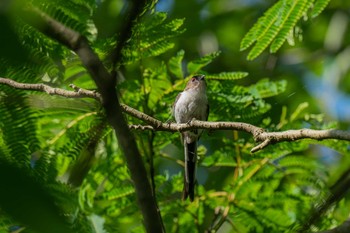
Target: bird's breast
{"x": 191, "y": 104}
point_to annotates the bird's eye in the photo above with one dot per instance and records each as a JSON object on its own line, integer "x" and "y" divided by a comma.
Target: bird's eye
{"x": 193, "y": 79}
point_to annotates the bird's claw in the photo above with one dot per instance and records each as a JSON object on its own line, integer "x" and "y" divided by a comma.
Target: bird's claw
{"x": 169, "y": 122}
{"x": 190, "y": 121}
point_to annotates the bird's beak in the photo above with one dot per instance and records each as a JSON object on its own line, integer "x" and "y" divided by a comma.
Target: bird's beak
{"x": 202, "y": 77}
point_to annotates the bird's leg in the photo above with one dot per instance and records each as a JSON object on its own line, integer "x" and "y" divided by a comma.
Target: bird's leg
{"x": 190, "y": 121}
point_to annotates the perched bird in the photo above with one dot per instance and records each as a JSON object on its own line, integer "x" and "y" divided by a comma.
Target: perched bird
{"x": 190, "y": 104}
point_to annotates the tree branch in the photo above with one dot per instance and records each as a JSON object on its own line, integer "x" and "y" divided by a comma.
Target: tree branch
{"x": 337, "y": 191}
{"x": 77, "y": 93}
{"x": 106, "y": 87}
{"x": 259, "y": 134}
{"x": 136, "y": 8}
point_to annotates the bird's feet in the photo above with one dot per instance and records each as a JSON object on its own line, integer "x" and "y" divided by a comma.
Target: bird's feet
{"x": 190, "y": 121}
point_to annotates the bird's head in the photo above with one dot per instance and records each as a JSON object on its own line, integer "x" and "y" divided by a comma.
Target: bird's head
{"x": 197, "y": 82}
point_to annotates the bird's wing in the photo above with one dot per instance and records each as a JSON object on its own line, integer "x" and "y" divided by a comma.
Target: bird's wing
{"x": 207, "y": 112}
{"x": 174, "y": 104}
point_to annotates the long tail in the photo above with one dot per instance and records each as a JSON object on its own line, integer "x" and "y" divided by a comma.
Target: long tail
{"x": 190, "y": 169}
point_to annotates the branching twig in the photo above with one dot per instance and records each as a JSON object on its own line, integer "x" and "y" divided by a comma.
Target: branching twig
{"x": 105, "y": 83}
{"x": 134, "y": 12}
{"x": 78, "y": 93}
{"x": 260, "y": 135}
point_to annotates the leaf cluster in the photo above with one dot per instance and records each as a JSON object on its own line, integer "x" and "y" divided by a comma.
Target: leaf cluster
{"x": 67, "y": 150}
{"x": 278, "y": 25}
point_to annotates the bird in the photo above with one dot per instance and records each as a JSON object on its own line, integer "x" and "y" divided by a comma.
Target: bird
{"x": 191, "y": 104}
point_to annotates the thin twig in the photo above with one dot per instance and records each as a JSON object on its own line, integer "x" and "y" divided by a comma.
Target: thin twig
{"x": 259, "y": 134}
{"x": 78, "y": 93}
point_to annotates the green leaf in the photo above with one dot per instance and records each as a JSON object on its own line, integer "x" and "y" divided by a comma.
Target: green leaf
{"x": 219, "y": 159}
{"x": 20, "y": 121}
{"x": 74, "y": 14}
{"x": 175, "y": 64}
{"x": 194, "y": 66}
{"x": 318, "y": 7}
{"x": 261, "y": 27}
{"x": 227, "y": 76}
{"x": 265, "y": 88}
{"x": 295, "y": 12}
{"x": 298, "y": 110}
{"x": 275, "y": 26}
{"x": 151, "y": 38}
{"x": 156, "y": 82}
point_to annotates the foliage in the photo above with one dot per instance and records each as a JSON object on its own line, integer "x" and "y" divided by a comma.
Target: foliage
{"x": 278, "y": 24}
{"x": 72, "y": 158}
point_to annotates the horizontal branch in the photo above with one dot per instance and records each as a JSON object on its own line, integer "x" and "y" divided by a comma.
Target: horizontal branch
{"x": 259, "y": 134}
{"x": 77, "y": 93}
{"x": 105, "y": 83}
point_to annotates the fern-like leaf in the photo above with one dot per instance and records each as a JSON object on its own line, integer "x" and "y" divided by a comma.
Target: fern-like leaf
{"x": 265, "y": 88}
{"x": 319, "y": 6}
{"x": 194, "y": 66}
{"x": 175, "y": 64}
{"x": 227, "y": 76}
{"x": 151, "y": 38}
{"x": 18, "y": 126}
{"x": 74, "y": 14}
{"x": 274, "y": 27}
{"x": 156, "y": 82}
{"x": 295, "y": 12}
{"x": 261, "y": 27}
